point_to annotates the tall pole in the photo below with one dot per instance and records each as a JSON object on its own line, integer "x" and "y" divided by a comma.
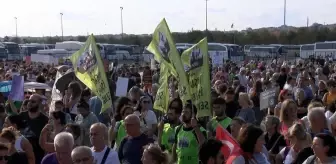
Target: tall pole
{"x": 62, "y": 25}
{"x": 16, "y": 29}
{"x": 122, "y": 22}
{"x": 307, "y": 21}
{"x": 285, "y": 8}
{"x": 206, "y": 15}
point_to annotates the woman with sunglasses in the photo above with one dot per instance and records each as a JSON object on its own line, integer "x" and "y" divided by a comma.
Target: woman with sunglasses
{"x": 56, "y": 125}
{"x": 118, "y": 132}
{"x": 22, "y": 144}
{"x": 147, "y": 116}
{"x": 8, "y": 136}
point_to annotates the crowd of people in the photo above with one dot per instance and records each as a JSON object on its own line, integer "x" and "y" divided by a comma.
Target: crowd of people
{"x": 299, "y": 129}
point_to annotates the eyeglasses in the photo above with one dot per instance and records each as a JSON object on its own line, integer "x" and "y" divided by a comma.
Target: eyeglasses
{"x": 4, "y": 158}
{"x": 85, "y": 159}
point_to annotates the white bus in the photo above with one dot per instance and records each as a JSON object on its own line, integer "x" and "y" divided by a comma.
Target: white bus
{"x": 247, "y": 48}
{"x": 307, "y": 50}
{"x": 184, "y": 45}
{"x": 263, "y": 51}
{"x": 12, "y": 50}
{"x": 325, "y": 49}
{"x": 116, "y": 51}
{"x": 71, "y": 46}
{"x": 218, "y": 52}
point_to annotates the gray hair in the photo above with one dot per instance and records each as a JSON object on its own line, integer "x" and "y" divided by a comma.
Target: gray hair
{"x": 156, "y": 85}
{"x": 318, "y": 111}
{"x": 64, "y": 139}
{"x": 275, "y": 120}
{"x": 82, "y": 149}
{"x": 135, "y": 89}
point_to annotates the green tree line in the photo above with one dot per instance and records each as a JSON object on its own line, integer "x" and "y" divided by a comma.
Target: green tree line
{"x": 302, "y": 35}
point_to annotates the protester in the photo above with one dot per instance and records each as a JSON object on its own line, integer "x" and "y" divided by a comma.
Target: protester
{"x": 210, "y": 152}
{"x": 57, "y": 125}
{"x": 324, "y": 147}
{"x": 8, "y": 136}
{"x": 131, "y": 147}
{"x": 64, "y": 143}
{"x": 220, "y": 118}
{"x": 82, "y": 155}
{"x": 101, "y": 152}
{"x": 117, "y": 132}
{"x": 35, "y": 121}
{"x": 154, "y": 155}
{"x": 251, "y": 141}
{"x": 85, "y": 119}
{"x": 166, "y": 128}
{"x": 188, "y": 137}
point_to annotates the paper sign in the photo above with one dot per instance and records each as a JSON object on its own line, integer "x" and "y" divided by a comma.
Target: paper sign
{"x": 17, "y": 91}
{"x": 122, "y": 85}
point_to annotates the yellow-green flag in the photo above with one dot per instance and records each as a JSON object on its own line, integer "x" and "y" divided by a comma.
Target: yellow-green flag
{"x": 89, "y": 69}
{"x": 196, "y": 64}
{"x": 165, "y": 52}
{"x": 162, "y": 96}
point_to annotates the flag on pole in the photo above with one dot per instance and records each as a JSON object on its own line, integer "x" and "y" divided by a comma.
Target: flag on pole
{"x": 230, "y": 145}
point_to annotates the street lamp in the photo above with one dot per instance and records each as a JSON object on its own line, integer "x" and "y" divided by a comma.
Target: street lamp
{"x": 62, "y": 24}
{"x": 16, "y": 29}
{"x": 285, "y": 8}
{"x": 206, "y": 15}
{"x": 122, "y": 22}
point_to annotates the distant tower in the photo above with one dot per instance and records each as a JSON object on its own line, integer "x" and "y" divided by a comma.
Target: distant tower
{"x": 307, "y": 21}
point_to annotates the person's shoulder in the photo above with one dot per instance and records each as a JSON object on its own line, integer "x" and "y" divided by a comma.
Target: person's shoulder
{"x": 23, "y": 114}
{"x": 239, "y": 160}
{"x": 309, "y": 159}
{"x": 47, "y": 159}
{"x": 43, "y": 117}
{"x": 113, "y": 154}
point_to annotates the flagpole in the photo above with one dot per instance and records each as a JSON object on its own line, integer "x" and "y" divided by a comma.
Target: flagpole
{"x": 234, "y": 36}
{"x": 206, "y": 15}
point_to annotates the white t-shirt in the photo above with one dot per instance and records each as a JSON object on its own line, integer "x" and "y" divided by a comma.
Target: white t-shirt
{"x": 111, "y": 158}
{"x": 150, "y": 119}
{"x": 290, "y": 156}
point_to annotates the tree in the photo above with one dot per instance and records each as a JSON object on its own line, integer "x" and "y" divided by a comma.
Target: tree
{"x": 281, "y": 35}
{"x": 6, "y": 39}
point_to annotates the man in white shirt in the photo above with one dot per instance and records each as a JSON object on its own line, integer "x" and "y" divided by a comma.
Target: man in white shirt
{"x": 101, "y": 152}
{"x": 242, "y": 77}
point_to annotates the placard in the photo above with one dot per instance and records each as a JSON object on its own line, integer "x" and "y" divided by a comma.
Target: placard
{"x": 122, "y": 85}
{"x": 269, "y": 98}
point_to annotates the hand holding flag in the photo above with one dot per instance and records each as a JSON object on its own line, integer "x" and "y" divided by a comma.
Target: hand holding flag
{"x": 230, "y": 145}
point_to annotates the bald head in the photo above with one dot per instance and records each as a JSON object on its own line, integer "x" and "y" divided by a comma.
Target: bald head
{"x": 98, "y": 135}
{"x": 80, "y": 153}
{"x": 35, "y": 97}
{"x": 132, "y": 119}
{"x": 99, "y": 126}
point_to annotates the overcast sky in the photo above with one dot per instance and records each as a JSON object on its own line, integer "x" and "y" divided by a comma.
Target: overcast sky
{"x": 42, "y": 17}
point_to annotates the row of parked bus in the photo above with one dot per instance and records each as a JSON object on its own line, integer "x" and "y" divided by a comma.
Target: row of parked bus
{"x": 14, "y": 51}
{"x": 319, "y": 50}
{"x": 316, "y": 50}
{"x": 218, "y": 51}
